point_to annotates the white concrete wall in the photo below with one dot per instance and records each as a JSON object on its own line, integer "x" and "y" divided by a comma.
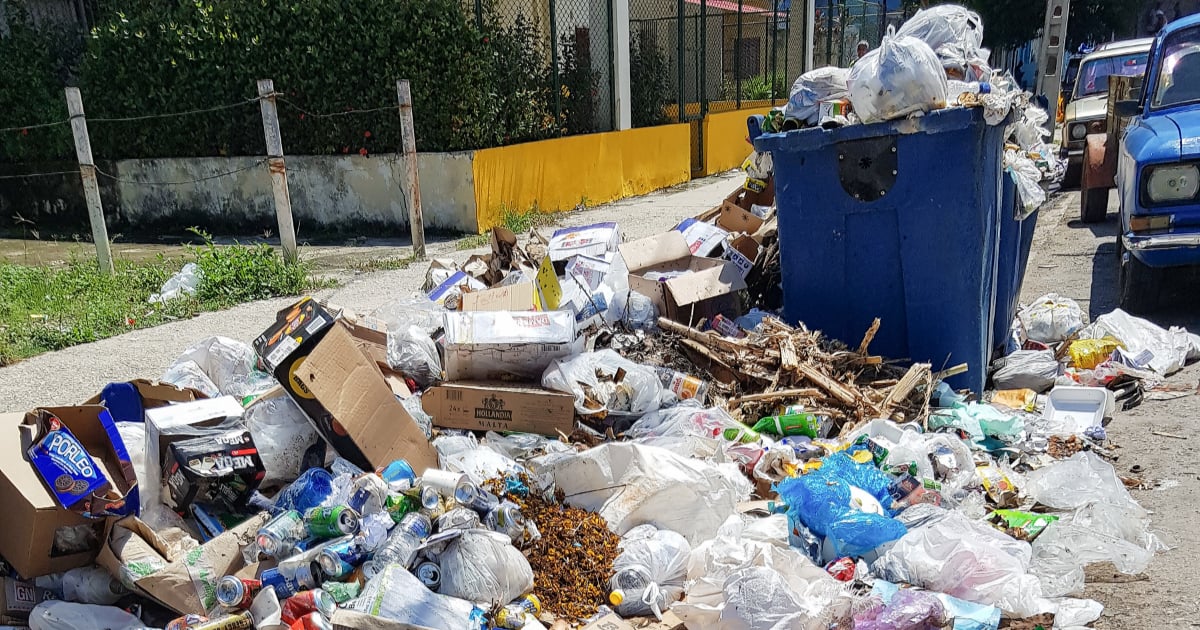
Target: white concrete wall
{"x": 328, "y": 192}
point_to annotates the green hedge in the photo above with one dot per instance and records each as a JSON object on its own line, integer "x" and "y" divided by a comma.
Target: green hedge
{"x": 472, "y": 88}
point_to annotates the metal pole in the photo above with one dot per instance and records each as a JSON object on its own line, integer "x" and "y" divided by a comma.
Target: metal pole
{"x": 279, "y": 184}
{"x": 554, "y": 66}
{"x": 737, "y": 57}
{"x": 87, "y": 172}
{"x": 416, "y": 221}
{"x": 479, "y": 14}
{"x": 774, "y": 51}
{"x": 679, "y": 35}
{"x": 702, "y": 45}
{"x": 828, "y": 32}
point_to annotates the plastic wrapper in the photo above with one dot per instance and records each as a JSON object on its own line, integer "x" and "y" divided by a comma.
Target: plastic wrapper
{"x": 901, "y": 77}
{"x": 812, "y": 87}
{"x": 230, "y": 364}
{"x": 638, "y": 392}
{"x": 184, "y": 282}
{"x": 287, "y": 442}
{"x": 1076, "y": 481}
{"x": 1027, "y": 177}
{"x": 633, "y": 484}
{"x": 396, "y": 594}
{"x": 651, "y": 570}
{"x": 1088, "y": 353}
{"x": 955, "y": 32}
{"x": 56, "y": 615}
{"x": 1165, "y": 351}
{"x": 908, "y": 610}
{"x": 1098, "y": 532}
{"x": 968, "y": 560}
{"x": 1026, "y": 369}
{"x": 412, "y": 352}
{"x": 189, "y": 374}
{"x": 824, "y": 501}
{"x": 483, "y": 566}
{"x": 92, "y": 585}
{"x": 1051, "y": 318}
{"x": 701, "y": 431}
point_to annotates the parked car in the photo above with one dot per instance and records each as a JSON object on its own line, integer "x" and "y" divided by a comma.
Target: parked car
{"x": 1158, "y": 170}
{"x": 1084, "y": 113}
{"x": 1068, "y": 85}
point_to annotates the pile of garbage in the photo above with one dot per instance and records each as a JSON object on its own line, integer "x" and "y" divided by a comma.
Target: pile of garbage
{"x": 584, "y": 432}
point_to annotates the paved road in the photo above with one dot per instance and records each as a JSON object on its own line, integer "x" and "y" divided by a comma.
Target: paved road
{"x": 1079, "y": 261}
{"x": 1068, "y": 257}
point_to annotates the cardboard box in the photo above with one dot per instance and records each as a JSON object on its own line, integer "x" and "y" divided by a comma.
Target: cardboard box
{"x": 742, "y": 253}
{"x": 127, "y": 402}
{"x": 589, "y": 271}
{"x": 489, "y": 406}
{"x": 703, "y": 239}
{"x": 172, "y": 423}
{"x": 354, "y": 405}
{"x": 708, "y": 287}
{"x": 514, "y": 297}
{"x": 507, "y": 345}
{"x": 350, "y": 397}
{"x": 733, "y": 218}
{"x": 589, "y": 240}
{"x": 33, "y": 517}
{"x": 17, "y": 599}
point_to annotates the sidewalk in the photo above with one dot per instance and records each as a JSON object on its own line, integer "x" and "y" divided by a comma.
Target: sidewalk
{"x": 74, "y": 374}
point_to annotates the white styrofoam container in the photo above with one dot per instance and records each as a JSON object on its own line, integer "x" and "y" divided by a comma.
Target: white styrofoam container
{"x": 1073, "y": 409}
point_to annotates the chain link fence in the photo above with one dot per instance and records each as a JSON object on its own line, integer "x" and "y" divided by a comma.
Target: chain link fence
{"x": 692, "y": 57}
{"x": 840, "y": 25}
{"x": 563, "y": 48}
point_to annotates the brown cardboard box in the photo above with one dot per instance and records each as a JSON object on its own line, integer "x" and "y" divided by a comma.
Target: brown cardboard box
{"x": 709, "y": 288}
{"x": 515, "y": 297}
{"x": 352, "y": 403}
{"x": 489, "y": 406}
{"x": 734, "y": 219}
{"x": 18, "y": 598}
{"x": 507, "y": 345}
{"x": 32, "y": 515}
{"x": 743, "y": 253}
{"x": 344, "y": 386}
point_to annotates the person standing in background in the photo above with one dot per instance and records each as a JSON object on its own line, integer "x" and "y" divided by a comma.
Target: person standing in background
{"x": 863, "y": 48}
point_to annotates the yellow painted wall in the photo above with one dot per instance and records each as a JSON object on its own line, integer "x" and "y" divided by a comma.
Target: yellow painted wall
{"x": 558, "y": 174}
{"x": 725, "y": 134}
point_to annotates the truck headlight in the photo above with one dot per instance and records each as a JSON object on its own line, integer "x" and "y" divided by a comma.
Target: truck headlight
{"x": 1078, "y": 131}
{"x": 1174, "y": 182}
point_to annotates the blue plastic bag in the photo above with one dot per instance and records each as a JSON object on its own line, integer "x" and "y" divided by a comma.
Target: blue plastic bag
{"x": 821, "y": 501}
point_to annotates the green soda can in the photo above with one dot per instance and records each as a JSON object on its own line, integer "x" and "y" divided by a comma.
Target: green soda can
{"x": 398, "y": 504}
{"x": 741, "y": 433}
{"x": 812, "y": 425}
{"x": 331, "y": 522}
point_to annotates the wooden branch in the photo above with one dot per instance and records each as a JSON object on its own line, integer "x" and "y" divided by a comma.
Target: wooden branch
{"x": 835, "y": 389}
{"x": 701, "y": 337}
{"x": 806, "y": 392}
{"x": 918, "y": 373}
{"x": 867, "y": 338}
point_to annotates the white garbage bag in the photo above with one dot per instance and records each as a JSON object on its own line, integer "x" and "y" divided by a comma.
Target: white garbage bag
{"x": 812, "y": 87}
{"x": 1098, "y": 532}
{"x": 1164, "y": 351}
{"x": 951, "y": 30}
{"x": 1026, "y": 369}
{"x": 230, "y": 364}
{"x": 184, "y": 282}
{"x": 1051, "y": 318}
{"x": 483, "y": 566}
{"x": 284, "y": 437}
{"x": 633, "y": 484}
{"x": 56, "y": 615}
{"x": 901, "y": 77}
{"x": 592, "y": 378}
{"x": 650, "y": 572}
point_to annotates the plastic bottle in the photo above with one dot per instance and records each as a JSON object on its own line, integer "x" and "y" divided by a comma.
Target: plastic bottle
{"x": 402, "y": 542}
{"x": 684, "y": 386}
{"x": 308, "y": 491}
{"x": 812, "y": 425}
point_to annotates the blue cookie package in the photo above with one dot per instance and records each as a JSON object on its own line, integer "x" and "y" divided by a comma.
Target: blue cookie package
{"x": 74, "y": 476}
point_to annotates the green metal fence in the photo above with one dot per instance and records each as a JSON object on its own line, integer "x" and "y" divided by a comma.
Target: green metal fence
{"x": 712, "y": 55}
{"x": 566, "y": 47}
{"x": 840, "y": 25}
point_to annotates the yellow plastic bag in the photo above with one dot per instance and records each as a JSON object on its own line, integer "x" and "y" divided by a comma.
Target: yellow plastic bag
{"x": 1086, "y": 354}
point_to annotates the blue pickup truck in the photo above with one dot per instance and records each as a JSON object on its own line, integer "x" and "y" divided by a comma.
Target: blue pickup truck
{"x": 1158, "y": 169}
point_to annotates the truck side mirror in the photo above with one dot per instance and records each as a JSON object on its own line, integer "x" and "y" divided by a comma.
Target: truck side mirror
{"x": 1127, "y": 109}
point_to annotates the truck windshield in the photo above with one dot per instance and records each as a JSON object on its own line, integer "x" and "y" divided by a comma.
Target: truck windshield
{"x": 1179, "y": 78}
{"x": 1093, "y": 74}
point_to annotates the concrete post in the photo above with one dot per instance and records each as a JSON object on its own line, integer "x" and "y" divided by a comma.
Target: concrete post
{"x": 408, "y": 141}
{"x": 620, "y": 50}
{"x": 87, "y": 171}
{"x": 279, "y": 183}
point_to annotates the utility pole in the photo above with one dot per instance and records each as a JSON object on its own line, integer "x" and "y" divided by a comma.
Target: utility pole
{"x": 1054, "y": 43}
{"x": 279, "y": 184}
{"x": 91, "y": 188}
{"x": 412, "y": 192}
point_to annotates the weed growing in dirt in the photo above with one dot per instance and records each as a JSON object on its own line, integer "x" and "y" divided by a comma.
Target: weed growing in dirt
{"x": 53, "y": 307}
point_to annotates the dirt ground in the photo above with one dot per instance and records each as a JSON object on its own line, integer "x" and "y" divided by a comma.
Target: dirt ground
{"x": 1080, "y": 262}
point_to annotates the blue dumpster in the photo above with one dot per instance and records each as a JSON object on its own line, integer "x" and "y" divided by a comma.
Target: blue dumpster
{"x": 1016, "y": 239}
{"x": 896, "y": 220}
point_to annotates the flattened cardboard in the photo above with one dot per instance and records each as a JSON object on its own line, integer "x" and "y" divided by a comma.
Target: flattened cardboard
{"x": 32, "y": 515}
{"x": 490, "y": 406}
{"x": 17, "y": 599}
{"x": 735, "y": 219}
{"x": 356, "y": 409}
{"x": 514, "y": 297}
{"x": 709, "y": 289}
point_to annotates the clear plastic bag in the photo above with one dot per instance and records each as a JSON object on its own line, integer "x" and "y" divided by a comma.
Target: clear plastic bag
{"x": 92, "y": 585}
{"x": 481, "y": 464}
{"x": 56, "y": 615}
{"x": 651, "y": 570}
{"x": 284, "y": 438}
{"x": 633, "y": 309}
{"x": 1051, "y": 318}
{"x": 949, "y": 28}
{"x": 230, "y": 364}
{"x": 901, "y": 77}
{"x": 184, "y": 282}
{"x": 639, "y": 392}
{"x": 908, "y": 610}
{"x": 1168, "y": 349}
{"x": 413, "y": 353}
{"x": 189, "y": 374}
{"x": 1076, "y": 481}
{"x": 484, "y": 566}
{"x": 1026, "y": 175}
{"x": 522, "y": 446}
{"x": 1026, "y": 369}
{"x": 414, "y": 310}
{"x": 413, "y": 406}
{"x": 396, "y": 594}
{"x": 812, "y": 87}
{"x": 705, "y": 431}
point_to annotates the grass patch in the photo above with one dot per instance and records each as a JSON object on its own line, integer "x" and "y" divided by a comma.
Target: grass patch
{"x": 383, "y": 264}
{"x": 471, "y": 242}
{"x": 49, "y": 308}
{"x": 520, "y": 222}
